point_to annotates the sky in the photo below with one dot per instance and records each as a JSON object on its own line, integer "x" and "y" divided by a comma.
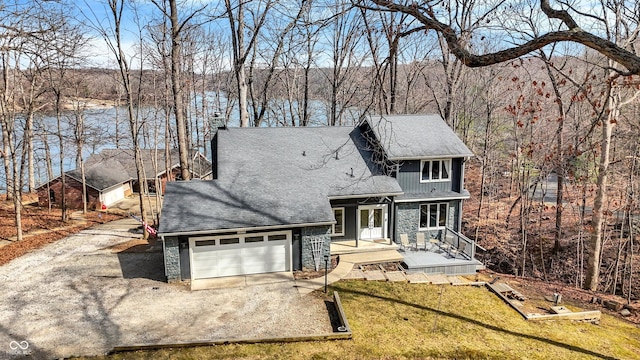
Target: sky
{"x": 97, "y": 14}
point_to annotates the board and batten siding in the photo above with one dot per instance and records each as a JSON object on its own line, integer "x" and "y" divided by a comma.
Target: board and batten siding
{"x": 350, "y": 216}
{"x": 409, "y": 178}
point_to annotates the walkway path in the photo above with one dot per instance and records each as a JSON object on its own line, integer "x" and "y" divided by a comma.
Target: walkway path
{"x": 346, "y": 263}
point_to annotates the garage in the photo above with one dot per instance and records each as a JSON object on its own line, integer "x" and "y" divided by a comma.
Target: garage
{"x": 240, "y": 254}
{"x": 113, "y": 195}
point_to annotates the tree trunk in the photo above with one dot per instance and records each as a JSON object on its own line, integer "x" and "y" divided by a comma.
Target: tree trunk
{"x": 63, "y": 181}
{"x": 595, "y": 242}
{"x": 125, "y": 76}
{"x": 239, "y": 57}
{"x": 30, "y": 154}
{"x": 483, "y": 167}
{"x": 178, "y": 104}
{"x": 560, "y": 162}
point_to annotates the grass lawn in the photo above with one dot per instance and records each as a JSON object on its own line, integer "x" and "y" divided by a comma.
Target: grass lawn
{"x": 415, "y": 321}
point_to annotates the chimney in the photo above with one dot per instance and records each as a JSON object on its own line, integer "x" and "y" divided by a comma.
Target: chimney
{"x": 216, "y": 122}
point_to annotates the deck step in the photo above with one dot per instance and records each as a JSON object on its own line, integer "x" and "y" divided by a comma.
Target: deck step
{"x": 396, "y": 276}
{"x": 374, "y": 275}
{"x": 355, "y": 274}
{"x": 438, "y": 279}
{"x": 418, "y": 278}
{"x": 458, "y": 280}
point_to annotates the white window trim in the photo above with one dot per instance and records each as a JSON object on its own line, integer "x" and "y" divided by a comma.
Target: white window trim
{"x": 333, "y": 226}
{"x": 445, "y": 162}
{"x": 437, "y": 227}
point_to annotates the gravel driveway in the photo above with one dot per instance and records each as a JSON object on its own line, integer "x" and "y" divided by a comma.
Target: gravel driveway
{"x": 78, "y": 297}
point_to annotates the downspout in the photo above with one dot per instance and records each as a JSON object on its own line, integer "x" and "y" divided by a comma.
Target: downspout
{"x": 392, "y": 221}
{"x": 464, "y": 160}
{"x": 164, "y": 260}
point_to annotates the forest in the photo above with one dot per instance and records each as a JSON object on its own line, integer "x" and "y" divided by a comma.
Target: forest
{"x": 538, "y": 90}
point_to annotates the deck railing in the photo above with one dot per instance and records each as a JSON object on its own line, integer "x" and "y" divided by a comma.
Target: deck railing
{"x": 454, "y": 238}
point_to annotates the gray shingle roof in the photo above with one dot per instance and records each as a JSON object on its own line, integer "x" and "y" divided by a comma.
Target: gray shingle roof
{"x": 151, "y": 160}
{"x": 417, "y": 136}
{"x": 102, "y": 176}
{"x": 201, "y": 205}
{"x": 302, "y": 154}
{"x": 275, "y": 176}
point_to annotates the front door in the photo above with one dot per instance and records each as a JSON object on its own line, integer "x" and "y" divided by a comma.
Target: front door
{"x": 372, "y": 223}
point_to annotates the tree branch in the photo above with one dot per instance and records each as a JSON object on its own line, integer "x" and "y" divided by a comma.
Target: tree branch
{"x": 607, "y": 48}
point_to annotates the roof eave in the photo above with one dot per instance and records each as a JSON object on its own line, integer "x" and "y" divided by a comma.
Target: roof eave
{"x": 441, "y": 198}
{"x": 255, "y": 228}
{"x": 340, "y": 197}
{"x": 430, "y": 157}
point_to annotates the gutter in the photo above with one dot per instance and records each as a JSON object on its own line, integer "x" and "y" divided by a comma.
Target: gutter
{"x": 341, "y": 197}
{"x": 257, "y": 228}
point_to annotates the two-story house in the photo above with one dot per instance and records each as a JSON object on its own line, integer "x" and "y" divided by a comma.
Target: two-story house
{"x": 280, "y": 196}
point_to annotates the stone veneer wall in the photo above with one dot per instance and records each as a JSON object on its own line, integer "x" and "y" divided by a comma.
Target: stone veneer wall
{"x": 407, "y": 220}
{"x": 309, "y": 233}
{"x": 453, "y": 209}
{"x": 172, "y": 259}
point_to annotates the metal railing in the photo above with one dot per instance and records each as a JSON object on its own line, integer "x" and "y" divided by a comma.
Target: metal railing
{"x": 454, "y": 238}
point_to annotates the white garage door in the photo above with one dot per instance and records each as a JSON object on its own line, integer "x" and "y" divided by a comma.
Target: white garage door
{"x": 242, "y": 254}
{"x": 113, "y": 195}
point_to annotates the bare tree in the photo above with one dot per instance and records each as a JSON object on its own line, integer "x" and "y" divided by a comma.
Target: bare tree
{"x": 434, "y": 15}
{"x": 177, "y": 28}
{"x": 113, "y": 39}
{"x": 617, "y": 43}
{"x": 344, "y": 35}
{"x": 246, "y": 19}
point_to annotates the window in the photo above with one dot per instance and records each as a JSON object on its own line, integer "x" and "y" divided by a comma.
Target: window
{"x": 338, "y": 227}
{"x": 206, "y": 243}
{"x": 229, "y": 241}
{"x": 252, "y": 239}
{"x": 433, "y": 216}
{"x": 278, "y": 237}
{"x": 435, "y": 170}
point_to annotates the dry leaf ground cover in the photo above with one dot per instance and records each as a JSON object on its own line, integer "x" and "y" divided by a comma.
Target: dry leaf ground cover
{"x": 41, "y": 226}
{"x": 419, "y": 321}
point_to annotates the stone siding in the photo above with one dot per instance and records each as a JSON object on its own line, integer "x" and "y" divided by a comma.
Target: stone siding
{"x": 407, "y": 220}
{"x": 172, "y": 259}
{"x": 453, "y": 209}
{"x": 309, "y": 234}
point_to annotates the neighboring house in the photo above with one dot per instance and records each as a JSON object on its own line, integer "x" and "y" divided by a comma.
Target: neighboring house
{"x": 280, "y": 196}
{"x": 111, "y": 176}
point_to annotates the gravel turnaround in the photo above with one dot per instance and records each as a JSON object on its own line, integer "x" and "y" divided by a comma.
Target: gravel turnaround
{"x": 76, "y": 297}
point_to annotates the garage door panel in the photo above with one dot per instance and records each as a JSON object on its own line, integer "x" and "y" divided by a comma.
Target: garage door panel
{"x": 240, "y": 259}
{"x": 207, "y": 259}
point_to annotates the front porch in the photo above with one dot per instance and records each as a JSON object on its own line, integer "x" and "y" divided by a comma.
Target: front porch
{"x": 342, "y": 247}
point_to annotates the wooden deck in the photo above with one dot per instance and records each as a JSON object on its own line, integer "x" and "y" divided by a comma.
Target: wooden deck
{"x": 435, "y": 262}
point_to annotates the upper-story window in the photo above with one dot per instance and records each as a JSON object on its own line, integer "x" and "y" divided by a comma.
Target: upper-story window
{"x": 435, "y": 170}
